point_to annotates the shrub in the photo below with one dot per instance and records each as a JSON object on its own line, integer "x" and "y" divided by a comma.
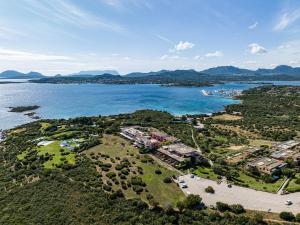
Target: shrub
{"x": 149, "y": 196}
{"x": 137, "y": 181}
{"x": 297, "y": 181}
{"x": 138, "y": 189}
{"x": 210, "y": 189}
{"x": 125, "y": 171}
{"x": 110, "y": 175}
{"x": 167, "y": 180}
{"x": 288, "y": 216}
{"x": 222, "y": 207}
{"x": 237, "y": 209}
{"x": 106, "y": 187}
{"x": 119, "y": 167}
{"x": 298, "y": 218}
{"x": 157, "y": 171}
{"x": 192, "y": 202}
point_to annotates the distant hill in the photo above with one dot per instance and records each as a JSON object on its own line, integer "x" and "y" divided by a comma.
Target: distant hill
{"x": 12, "y": 74}
{"x": 227, "y": 70}
{"x": 139, "y": 74}
{"x": 90, "y": 73}
{"x": 231, "y": 70}
{"x": 282, "y": 69}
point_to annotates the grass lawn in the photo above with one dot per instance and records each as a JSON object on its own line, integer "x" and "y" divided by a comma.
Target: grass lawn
{"x": 54, "y": 149}
{"x": 65, "y": 135}
{"x": 260, "y": 142}
{"x": 258, "y": 184}
{"x": 44, "y": 126}
{"x": 22, "y": 155}
{"x": 242, "y": 180}
{"x": 163, "y": 193}
{"x": 206, "y": 173}
{"x": 292, "y": 186}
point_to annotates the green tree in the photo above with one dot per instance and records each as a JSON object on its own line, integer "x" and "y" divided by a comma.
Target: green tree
{"x": 288, "y": 216}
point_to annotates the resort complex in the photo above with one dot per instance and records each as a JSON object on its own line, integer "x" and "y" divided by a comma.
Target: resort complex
{"x": 163, "y": 146}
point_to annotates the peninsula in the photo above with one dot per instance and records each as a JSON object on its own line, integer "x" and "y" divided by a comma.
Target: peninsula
{"x": 135, "y": 166}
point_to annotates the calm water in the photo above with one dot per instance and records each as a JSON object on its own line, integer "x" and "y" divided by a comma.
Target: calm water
{"x": 71, "y": 100}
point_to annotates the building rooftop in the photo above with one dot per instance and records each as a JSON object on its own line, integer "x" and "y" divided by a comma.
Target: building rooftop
{"x": 267, "y": 162}
{"x": 180, "y": 148}
{"x": 287, "y": 145}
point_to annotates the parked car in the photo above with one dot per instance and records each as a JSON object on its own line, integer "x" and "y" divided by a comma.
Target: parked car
{"x": 288, "y": 202}
{"x": 184, "y": 186}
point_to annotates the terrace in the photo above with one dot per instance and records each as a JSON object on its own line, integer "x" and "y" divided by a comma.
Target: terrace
{"x": 267, "y": 165}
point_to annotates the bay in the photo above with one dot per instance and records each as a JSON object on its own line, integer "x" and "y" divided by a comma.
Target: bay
{"x": 73, "y": 100}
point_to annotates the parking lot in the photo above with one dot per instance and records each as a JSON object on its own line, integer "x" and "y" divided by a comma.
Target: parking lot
{"x": 249, "y": 198}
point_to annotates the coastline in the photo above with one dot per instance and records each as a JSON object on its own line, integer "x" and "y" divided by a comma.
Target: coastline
{"x": 158, "y": 102}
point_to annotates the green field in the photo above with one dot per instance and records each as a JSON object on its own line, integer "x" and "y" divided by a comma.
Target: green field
{"x": 163, "y": 193}
{"x": 55, "y": 150}
{"x": 253, "y": 183}
{"x": 292, "y": 186}
{"x": 205, "y": 172}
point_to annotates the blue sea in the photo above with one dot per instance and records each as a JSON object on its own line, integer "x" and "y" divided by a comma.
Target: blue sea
{"x": 72, "y": 100}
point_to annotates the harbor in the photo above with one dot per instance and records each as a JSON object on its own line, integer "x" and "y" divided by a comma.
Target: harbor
{"x": 222, "y": 93}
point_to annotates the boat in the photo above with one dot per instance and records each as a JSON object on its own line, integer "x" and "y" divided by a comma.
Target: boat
{"x": 205, "y": 93}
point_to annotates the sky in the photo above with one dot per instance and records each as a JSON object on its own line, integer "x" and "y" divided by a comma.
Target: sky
{"x": 66, "y": 36}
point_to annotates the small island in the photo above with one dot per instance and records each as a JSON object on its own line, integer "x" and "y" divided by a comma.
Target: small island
{"x": 20, "y": 109}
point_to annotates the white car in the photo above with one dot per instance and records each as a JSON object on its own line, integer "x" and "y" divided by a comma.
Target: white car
{"x": 181, "y": 181}
{"x": 192, "y": 176}
{"x": 288, "y": 202}
{"x": 184, "y": 186}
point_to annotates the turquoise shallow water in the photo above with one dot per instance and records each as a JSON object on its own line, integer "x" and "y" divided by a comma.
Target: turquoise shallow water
{"x": 71, "y": 100}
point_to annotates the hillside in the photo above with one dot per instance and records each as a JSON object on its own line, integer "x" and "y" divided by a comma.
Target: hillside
{"x": 58, "y": 186}
{"x": 12, "y": 74}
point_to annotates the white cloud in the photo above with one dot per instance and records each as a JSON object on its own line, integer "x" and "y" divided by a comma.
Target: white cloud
{"x": 13, "y": 55}
{"x": 183, "y": 45}
{"x": 164, "y": 57}
{"x": 253, "y": 26}
{"x": 163, "y": 38}
{"x": 214, "y": 54}
{"x": 256, "y": 49}
{"x": 9, "y": 33}
{"x": 287, "y": 19}
{"x": 67, "y": 12}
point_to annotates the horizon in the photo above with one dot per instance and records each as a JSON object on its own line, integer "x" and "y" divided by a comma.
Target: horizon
{"x": 67, "y": 36}
{"x": 123, "y": 74}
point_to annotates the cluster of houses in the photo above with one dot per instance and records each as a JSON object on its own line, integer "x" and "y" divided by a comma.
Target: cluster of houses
{"x": 165, "y": 147}
{"x": 289, "y": 150}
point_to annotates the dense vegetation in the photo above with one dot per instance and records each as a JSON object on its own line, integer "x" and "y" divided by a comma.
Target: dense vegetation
{"x": 270, "y": 111}
{"x": 77, "y": 193}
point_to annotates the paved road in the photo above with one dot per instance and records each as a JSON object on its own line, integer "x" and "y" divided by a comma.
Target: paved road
{"x": 249, "y": 198}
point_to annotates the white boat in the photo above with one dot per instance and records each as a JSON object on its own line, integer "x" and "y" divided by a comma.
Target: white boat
{"x": 205, "y": 93}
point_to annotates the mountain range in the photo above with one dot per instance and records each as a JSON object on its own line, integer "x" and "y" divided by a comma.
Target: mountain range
{"x": 229, "y": 70}
{"x": 94, "y": 73}
{"x": 12, "y": 74}
{"x": 215, "y": 71}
